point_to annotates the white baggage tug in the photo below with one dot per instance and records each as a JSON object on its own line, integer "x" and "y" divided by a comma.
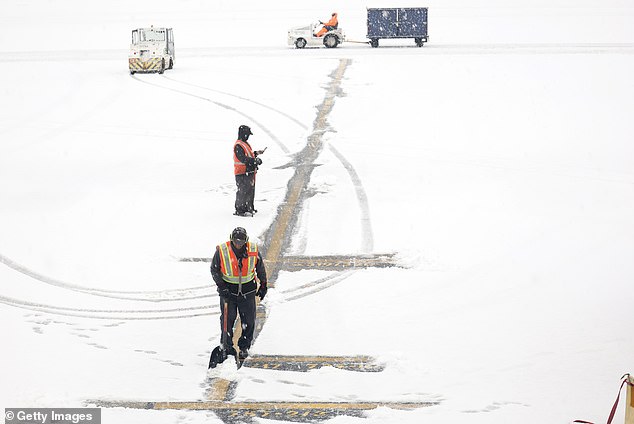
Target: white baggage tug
{"x": 303, "y": 36}
{"x": 152, "y": 50}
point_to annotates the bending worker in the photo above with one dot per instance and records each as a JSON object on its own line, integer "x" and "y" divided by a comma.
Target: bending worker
{"x": 333, "y": 23}
{"x": 236, "y": 267}
{"x": 245, "y": 166}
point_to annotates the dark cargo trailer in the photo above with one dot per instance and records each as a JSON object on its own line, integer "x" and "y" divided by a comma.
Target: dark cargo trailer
{"x": 404, "y": 22}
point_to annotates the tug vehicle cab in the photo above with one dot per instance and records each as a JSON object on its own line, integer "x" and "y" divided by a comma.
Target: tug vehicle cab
{"x": 151, "y": 50}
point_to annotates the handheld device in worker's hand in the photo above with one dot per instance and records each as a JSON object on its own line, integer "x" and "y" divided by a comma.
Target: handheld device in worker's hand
{"x": 259, "y": 152}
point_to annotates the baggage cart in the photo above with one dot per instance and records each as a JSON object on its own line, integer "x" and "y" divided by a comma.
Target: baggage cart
{"x": 404, "y": 22}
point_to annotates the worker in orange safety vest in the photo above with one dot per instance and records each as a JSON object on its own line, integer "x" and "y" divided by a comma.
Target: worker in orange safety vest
{"x": 245, "y": 166}
{"x": 333, "y": 23}
{"x": 236, "y": 268}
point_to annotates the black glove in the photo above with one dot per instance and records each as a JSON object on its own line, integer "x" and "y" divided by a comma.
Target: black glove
{"x": 223, "y": 291}
{"x": 261, "y": 291}
{"x": 258, "y": 161}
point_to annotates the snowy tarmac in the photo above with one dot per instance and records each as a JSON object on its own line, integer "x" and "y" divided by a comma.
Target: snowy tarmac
{"x": 492, "y": 168}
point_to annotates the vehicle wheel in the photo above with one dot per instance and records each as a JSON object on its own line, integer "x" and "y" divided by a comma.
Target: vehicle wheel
{"x": 162, "y": 69}
{"x": 419, "y": 42}
{"x": 300, "y": 43}
{"x": 132, "y": 72}
{"x": 331, "y": 41}
{"x": 374, "y": 42}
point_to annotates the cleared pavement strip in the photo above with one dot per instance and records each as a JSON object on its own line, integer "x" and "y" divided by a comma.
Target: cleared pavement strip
{"x": 286, "y": 411}
{"x": 304, "y": 363}
{"x": 338, "y": 262}
{"x": 327, "y": 263}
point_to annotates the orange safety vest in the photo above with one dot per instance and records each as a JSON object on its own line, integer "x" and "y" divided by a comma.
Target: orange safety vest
{"x": 229, "y": 263}
{"x": 333, "y": 22}
{"x": 240, "y": 168}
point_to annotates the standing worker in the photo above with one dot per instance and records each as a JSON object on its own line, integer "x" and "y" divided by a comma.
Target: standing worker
{"x": 245, "y": 166}
{"x": 332, "y": 24}
{"x": 236, "y": 267}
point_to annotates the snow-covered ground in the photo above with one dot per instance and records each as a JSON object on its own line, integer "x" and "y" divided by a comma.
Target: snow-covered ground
{"x": 496, "y": 162}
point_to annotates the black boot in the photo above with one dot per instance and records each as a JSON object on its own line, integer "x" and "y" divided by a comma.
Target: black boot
{"x": 244, "y": 353}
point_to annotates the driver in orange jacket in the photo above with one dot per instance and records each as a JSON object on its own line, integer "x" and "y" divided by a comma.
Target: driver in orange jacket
{"x": 333, "y": 23}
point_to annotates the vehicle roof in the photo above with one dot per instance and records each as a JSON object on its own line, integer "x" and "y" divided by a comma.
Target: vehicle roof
{"x": 153, "y": 29}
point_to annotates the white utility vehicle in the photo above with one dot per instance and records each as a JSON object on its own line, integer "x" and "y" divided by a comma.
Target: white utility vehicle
{"x": 152, "y": 50}
{"x": 303, "y": 36}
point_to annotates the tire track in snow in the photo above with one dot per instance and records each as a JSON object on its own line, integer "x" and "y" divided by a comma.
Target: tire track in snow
{"x": 284, "y": 114}
{"x": 317, "y": 286}
{"x": 367, "y": 236}
{"x": 110, "y": 313}
{"x": 158, "y": 314}
{"x": 142, "y": 296}
{"x": 222, "y": 105}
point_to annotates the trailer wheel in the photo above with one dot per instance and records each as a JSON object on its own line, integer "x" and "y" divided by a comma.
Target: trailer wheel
{"x": 162, "y": 68}
{"x": 374, "y": 42}
{"x": 331, "y": 41}
{"x": 419, "y": 42}
{"x": 300, "y": 43}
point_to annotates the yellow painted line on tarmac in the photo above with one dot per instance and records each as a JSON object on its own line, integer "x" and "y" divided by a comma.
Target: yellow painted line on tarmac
{"x": 263, "y": 406}
{"x": 218, "y": 389}
{"x": 312, "y": 358}
{"x": 274, "y": 249}
{"x": 304, "y": 363}
{"x": 325, "y": 262}
{"x": 286, "y": 405}
{"x": 231, "y": 412}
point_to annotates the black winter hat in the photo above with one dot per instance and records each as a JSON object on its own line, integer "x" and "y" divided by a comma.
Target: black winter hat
{"x": 239, "y": 233}
{"x": 244, "y": 132}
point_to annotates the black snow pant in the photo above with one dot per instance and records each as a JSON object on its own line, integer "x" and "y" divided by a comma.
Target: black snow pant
{"x": 245, "y": 306}
{"x": 245, "y": 196}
